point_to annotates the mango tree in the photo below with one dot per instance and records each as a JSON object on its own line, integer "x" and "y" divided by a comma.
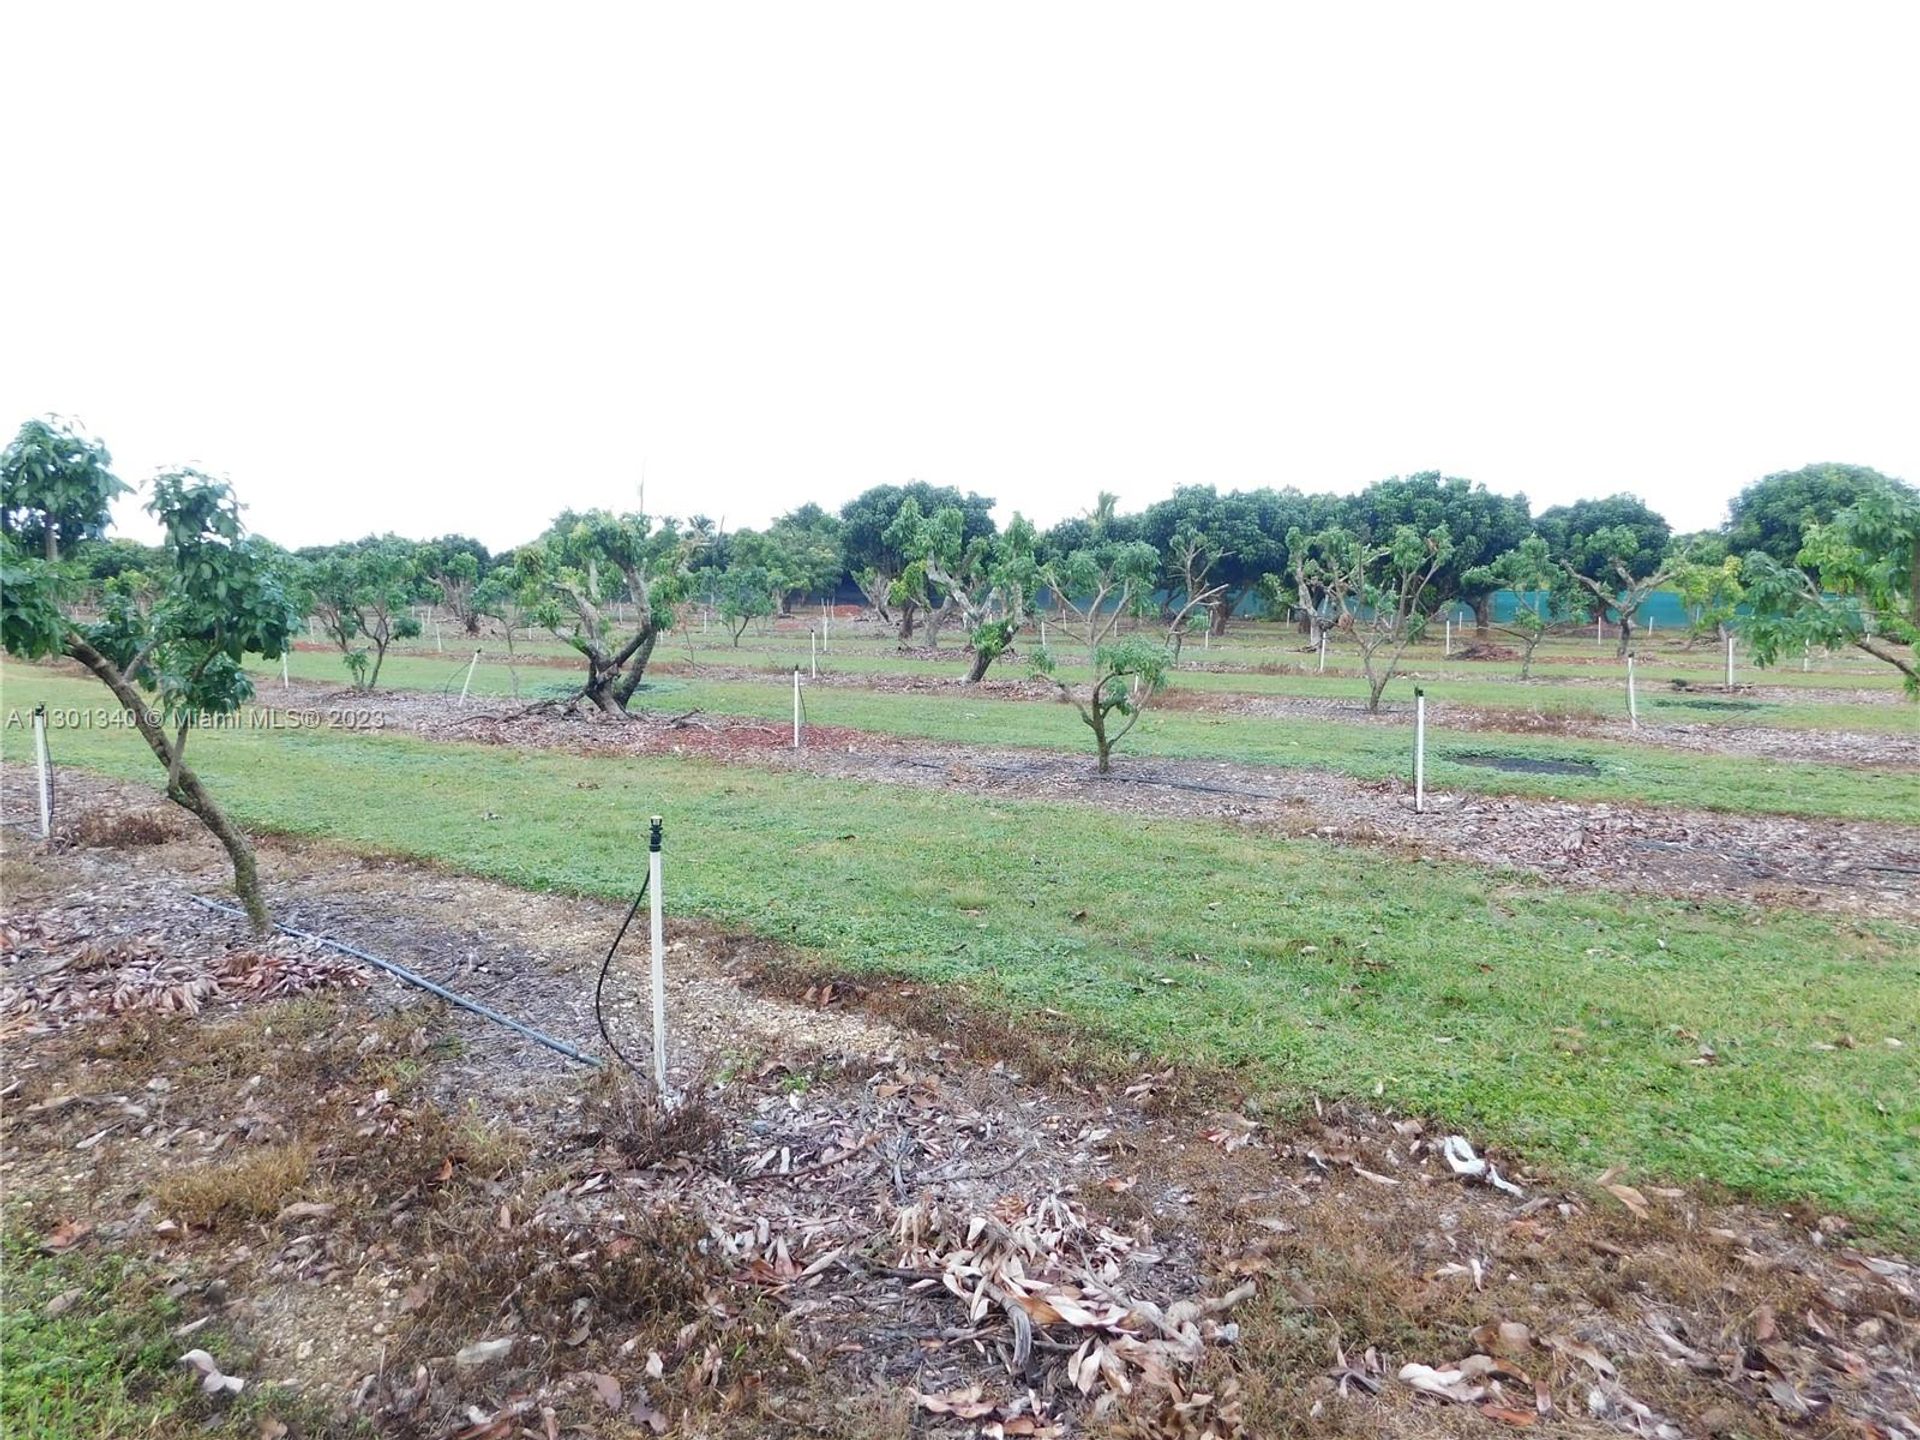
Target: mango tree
{"x": 1127, "y": 674}
{"x": 586, "y": 564}
{"x": 453, "y": 566}
{"x": 1615, "y": 552}
{"x": 218, "y": 598}
{"x": 992, "y": 588}
{"x": 364, "y": 593}
{"x": 1381, "y": 595}
{"x": 1866, "y": 594}
{"x": 56, "y": 483}
{"x": 1708, "y": 581}
{"x": 1529, "y": 572}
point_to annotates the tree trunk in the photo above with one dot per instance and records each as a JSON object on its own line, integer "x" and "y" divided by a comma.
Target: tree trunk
{"x": 977, "y": 671}
{"x": 636, "y": 670}
{"x": 379, "y": 659}
{"x": 183, "y": 787}
{"x": 1626, "y": 633}
{"x": 906, "y": 622}
{"x": 1483, "y": 618}
{"x": 1217, "y": 614}
{"x": 52, "y": 543}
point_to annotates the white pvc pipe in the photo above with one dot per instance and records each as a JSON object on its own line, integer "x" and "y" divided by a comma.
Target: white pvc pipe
{"x": 1729, "y": 662}
{"x": 1323, "y": 653}
{"x": 43, "y": 768}
{"x": 286, "y": 681}
{"x": 813, "y": 655}
{"x": 1419, "y": 752}
{"x": 796, "y": 707}
{"x": 466, "y": 684}
{"x": 1043, "y": 632}
{"x": 1448, "y": 651}
{"x": 436, "y": 636}
{"x": 826, "y": 627}
{"x": 1633, "y": 704}
{"x": 657, "y": 926}
{"x": 1599, "y": 632}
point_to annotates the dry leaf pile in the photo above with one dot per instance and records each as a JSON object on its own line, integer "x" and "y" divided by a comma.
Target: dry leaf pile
{"x": 58, "y": 971}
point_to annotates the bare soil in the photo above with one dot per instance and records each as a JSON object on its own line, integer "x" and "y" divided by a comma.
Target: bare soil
{"x": 873, "y": 1216}
{"x": 1848, "y": 867}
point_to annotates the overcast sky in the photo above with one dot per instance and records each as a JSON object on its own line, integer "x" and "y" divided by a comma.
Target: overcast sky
{"x": 453, "y": 267}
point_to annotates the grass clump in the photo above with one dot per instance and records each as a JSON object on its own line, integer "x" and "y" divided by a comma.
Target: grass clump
{"x": 87, "y": 1353}
{"x": 252, "y": 1186}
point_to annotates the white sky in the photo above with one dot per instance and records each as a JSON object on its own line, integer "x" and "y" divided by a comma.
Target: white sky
{"x": 452, "y": 267}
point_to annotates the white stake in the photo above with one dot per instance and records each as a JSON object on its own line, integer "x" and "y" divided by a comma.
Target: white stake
{"x": 1043, "y": 632}
{"x": 659, "y": 961}
{"x": 286, "y": 681}
{"x": 1206, "y": 638}
{"x": 1419, "y": 752}
{"x": 1323, "y": 654}
{"x": 467, "y": 684}
{"x": 1806, "y": 653}
{"x": 1633, "y": 705}
{"x": 1649, "y": 627}
{"x": 1448, "y": 651}
{"x": 1599, "y": 628}
{"x": 436, "y": 636}
{"x": 813, "y": 655}
{"x": 1729, "y": 662}
{"x": 43, "y": 767}
{"x": 796, "y": 707}
{"x": 826, "y": 627}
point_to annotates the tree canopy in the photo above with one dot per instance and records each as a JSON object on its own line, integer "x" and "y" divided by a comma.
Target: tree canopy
{"x": 1772, "y": 514}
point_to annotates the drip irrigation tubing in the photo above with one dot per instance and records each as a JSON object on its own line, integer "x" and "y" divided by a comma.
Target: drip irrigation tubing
{"x": 400, "y": 972}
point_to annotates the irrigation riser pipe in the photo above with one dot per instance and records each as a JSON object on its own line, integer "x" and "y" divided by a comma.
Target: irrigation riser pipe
{"x": 43, "y": 770}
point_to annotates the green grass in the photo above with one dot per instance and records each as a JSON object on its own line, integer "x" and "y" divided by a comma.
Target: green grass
{"x": 105, "y": 1367}
{"x": 1371, "y": 750}
{"x": 1564, "y": 1025}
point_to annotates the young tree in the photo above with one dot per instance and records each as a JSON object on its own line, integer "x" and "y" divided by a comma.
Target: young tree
{"x": 1190, "y": 560}
{"x": 218, "y": 600}
{"x": 1708, "y": 582}
{"x": 499, "y": 595}
{"x": 992, "y": 588}
{"x": 1127, "y": 674}
{"x": 744, "y": 593}
{"x": 584, "y": 564}
{"x": 364, "y": 592}
{"x": 453, "y": 566}
{"x": 1866, "y": 594}
{"x": 1382, "y": 595}
{"x": 1529, "y": 572}
{"x": 1482, "y": 525}
{"x": 1616, "y": 552}
{"x": 1102, "y": 583}
{"x": 56, "y": 484}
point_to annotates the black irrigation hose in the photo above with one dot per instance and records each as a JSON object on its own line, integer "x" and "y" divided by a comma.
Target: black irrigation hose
{"x": 599, "y": 1015}
{"x": 400, "y": 972}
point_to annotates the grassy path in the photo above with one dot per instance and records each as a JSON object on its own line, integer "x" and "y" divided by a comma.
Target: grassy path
{"x": 1567, "y": 1026}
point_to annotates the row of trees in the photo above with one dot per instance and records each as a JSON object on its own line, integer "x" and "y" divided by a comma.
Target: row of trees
{"x": 1826, "y": 556}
